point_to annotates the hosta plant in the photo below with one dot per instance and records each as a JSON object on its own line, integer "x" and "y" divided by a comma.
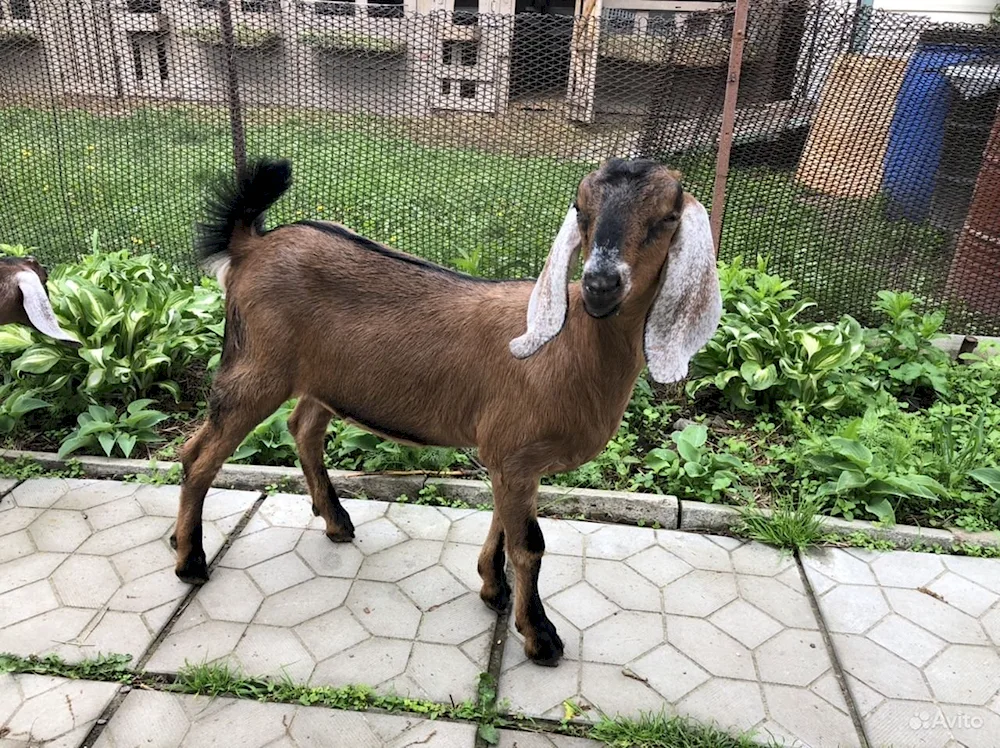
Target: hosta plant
{"x": 763, "y": 354}
{"x": 103, "y": 427}
{"x": 691, "y": 468}
{"x": 141, "y": 329}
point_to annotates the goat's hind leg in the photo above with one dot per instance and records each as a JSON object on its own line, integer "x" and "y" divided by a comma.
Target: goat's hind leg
{"x": 308, "y": 424}
{"x": 234, "y": 411}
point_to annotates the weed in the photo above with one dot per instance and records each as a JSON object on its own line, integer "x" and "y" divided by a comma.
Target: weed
{"x": 791, "y": 524}
{"x": 660, "y": 731}
{"x": 172, "y": 476}
{"x": 105, "y": 667}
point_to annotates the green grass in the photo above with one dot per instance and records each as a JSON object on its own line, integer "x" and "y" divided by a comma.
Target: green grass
{"x": 660, "y": 731}
{"x": 138, "y": 179}
{"x": 794, "y": 525}
{"x": 839, "y": 251}
{"x": 104, "y": 667}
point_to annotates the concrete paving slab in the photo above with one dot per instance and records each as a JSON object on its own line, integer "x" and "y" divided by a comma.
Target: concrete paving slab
{"x": 6, "y": 484}
{"x": 398, "y": 609}
{"x": 918, "y": 637}
{"x": 40, "y": 710}
{"x": 178, "y": 721}
{"x": 712, "y": 628}
{"x": 86, "y": 566}
{"x": 518, "y": 739}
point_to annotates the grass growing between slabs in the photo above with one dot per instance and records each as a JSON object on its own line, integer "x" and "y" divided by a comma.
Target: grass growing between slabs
{"x": 645, "y": 731}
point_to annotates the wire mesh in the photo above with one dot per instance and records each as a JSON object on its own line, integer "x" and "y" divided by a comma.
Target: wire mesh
{"x": 866, "y": 152}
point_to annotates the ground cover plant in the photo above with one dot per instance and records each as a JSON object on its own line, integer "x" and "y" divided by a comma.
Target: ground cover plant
{"x": 779, "y": 412}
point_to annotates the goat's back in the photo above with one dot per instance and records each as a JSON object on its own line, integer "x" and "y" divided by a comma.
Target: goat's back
{"x": 408, "y": 348}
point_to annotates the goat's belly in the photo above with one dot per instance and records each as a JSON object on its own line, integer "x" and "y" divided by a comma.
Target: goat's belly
{"x": 383, "y": 424}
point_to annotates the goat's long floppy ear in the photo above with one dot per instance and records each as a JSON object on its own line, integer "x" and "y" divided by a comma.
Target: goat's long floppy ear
{"x": 688, "y": 306}
{"x": 38, "y": 308}
{"x": 550, "y": 298}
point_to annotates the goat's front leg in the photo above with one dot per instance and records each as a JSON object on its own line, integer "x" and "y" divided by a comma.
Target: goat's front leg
{"x": 495, "y": 591}
{"x": 514, "y": 498}
{"x": 308, "y": 424}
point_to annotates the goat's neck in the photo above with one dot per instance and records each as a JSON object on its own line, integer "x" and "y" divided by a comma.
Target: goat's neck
{"x": 615, "y": 343}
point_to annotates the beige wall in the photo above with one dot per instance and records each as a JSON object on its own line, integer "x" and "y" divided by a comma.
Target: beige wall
{"x": 942, "y": 11}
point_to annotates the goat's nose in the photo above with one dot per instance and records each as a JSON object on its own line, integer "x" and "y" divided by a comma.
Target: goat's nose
{"x": 602, "y": 284}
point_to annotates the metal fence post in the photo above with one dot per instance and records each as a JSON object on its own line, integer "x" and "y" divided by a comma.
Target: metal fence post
{"x": 728, "y": 119}
{"x": 228, "y": 38}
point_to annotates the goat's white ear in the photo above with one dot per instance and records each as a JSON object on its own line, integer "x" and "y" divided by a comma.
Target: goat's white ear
{"x": 688, "y": 306}
{"x": 550, "y": 297}
{"x": 39, "y": 310}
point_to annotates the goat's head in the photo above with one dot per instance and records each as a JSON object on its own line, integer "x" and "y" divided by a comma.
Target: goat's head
{"x": 642, "y": 237}
{"x": 24, "y": 300}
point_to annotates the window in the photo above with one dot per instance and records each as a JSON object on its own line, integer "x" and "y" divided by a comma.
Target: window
{"x": 460, "y": 53}
{"x": 260, "y": 6}
{"x": 142, "y": 45}
{"x": 466, "y": 12}
{"x": 143, "y": 6}
{"x": 327, "y": 8}
{"x": 385, "y": 9}
{"x": 20, "y": 10}
{"x": 619, "y": 21}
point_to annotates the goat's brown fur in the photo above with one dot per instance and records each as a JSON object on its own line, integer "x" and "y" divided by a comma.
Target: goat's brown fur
{"x": 420, "y": 354}
{"x": 24, "y": 299}
{"x": 11, "y": 299}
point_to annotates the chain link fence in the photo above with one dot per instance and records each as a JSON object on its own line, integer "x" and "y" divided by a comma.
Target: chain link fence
{"x": 866, "y": 147}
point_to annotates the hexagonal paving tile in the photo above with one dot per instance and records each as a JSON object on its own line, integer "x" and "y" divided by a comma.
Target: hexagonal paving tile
{"x": 394, "y": 611}
{"x": 103, "y": 546}
{"x": 174, "y": 720}
{"x": 920, "y": 656}
{"x": 673, "y": 621}
{"x": 40, "y": 710}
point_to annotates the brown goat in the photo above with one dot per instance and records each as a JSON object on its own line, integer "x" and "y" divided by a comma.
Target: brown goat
{"x": 423, "y": 355}
{"x": 24, "y": 299}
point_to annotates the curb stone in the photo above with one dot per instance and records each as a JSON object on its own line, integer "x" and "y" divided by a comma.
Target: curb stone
{"x": 667, "y": 512}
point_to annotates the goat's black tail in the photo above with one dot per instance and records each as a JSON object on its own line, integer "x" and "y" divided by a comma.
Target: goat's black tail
{"x": 236, "y": 207}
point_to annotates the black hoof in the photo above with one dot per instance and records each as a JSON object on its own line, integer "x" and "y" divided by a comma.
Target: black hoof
{"x": 339, "y": 536}
{"x": 343, "y": 531}
{"x": 499, "y": 603}
{"x": 194, "y": 570}
{"x": 548, "y": 649}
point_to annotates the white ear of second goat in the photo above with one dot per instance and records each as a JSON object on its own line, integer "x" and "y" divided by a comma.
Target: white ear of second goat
{"x": 38, "y": 308}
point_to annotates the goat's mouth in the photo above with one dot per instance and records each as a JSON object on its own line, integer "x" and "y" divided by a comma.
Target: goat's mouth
{"x": 601, "y": 309}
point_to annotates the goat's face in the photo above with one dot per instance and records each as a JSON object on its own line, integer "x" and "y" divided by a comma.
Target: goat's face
{"x": 627, "y": 213}
{"x": 642, "y": 239}
{"x": 24, "y": 300}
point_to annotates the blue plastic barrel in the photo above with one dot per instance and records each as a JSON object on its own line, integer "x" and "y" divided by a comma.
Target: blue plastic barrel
{"x": 916, "y": 135}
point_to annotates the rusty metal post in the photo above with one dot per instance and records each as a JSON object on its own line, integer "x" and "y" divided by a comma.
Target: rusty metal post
{"x": 228, "y": 38}
{"x": 728, "y": 119}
